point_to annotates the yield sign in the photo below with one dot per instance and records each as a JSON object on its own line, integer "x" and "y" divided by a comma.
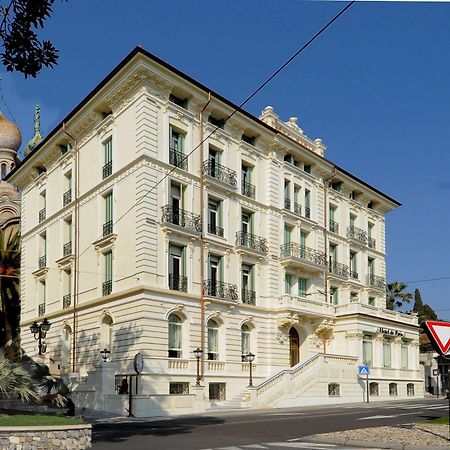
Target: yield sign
{"x": 439, "y": 333}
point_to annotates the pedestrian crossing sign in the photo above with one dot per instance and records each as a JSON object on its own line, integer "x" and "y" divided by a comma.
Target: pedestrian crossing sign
{"x": 363, "y": 371}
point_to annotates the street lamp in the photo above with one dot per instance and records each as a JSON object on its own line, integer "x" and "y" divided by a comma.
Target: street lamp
{"x": 250, "y": 358}
{"x": 105, "y": 353}
{"x": 198, "y": 352}
{"x": 40, "y": 331}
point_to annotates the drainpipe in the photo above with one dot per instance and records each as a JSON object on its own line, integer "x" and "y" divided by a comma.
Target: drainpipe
{"x": 325, "y": 228}
{"x": 202, "y": 245}
{"x": 76, "y": 235}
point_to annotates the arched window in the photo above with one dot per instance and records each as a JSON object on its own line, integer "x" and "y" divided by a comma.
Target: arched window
{"x": 373, "y": 389}
{"x": 245, "y": 341}
{"x": 105, "y": 333}
{"x": 213, "y": 339}
{"x": 175, "y": 329}
{"x": 3, "y": 170}
{"x": 393, "y": 389}
{"x": 66, "y": 339}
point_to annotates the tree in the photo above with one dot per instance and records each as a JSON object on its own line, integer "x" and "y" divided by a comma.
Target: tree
{"x": 9, "y": 287}
{"x": 424, "y": 312}
{"x": 23, "y": 51}
{"x": 396, "y": 295}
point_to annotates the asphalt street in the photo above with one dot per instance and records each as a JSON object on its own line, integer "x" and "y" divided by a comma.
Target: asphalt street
{"x": 263, "y": 429}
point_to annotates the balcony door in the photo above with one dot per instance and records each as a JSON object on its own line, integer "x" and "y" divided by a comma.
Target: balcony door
{"x": 176, "y": 269}
{"x": 176, "y": 201}
{"x": 214, "y": 161}
{"x": 294, "y": 347}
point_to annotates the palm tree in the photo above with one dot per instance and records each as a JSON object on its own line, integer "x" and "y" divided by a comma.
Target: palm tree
{"x": 9, "y": 287}
{"x": 396, "y": 295}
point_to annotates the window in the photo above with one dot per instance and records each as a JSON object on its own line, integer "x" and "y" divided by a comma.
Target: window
{"x": 175, "y": 329}
{"x": 367, "y": 350}
{"x": 247, "y": 222}
{"x": 43, "y": 250}
{"x": 353, "y": 264}
{"x": 67, "y": 246}
{"x": 67, "y": 196}
{"x": 370, "y": 205}
{"x": 354, "y": 297}
{"x": 107, "y": 283}
{"x": 213, "y": 340}
{"x": 334, "y": 390}
{"x": 352, "y": 220}
{"x": 42, "y": 206}
{"x": 333, "y": 225}
{"x": 303, "y": 238}
{"x": 302, "y": 287}
{"x": 307, "y": 204}
{"x": 182, "y": 102}
{"x": 297, "y": 206}
{"x": 217, "y": 391}
{"x": 287, "y": 234}
{"x": 333, "y": 253}
{"x": 248, "y": 189}
{"x": 108, "y": 225}
{"x": 106, "y": 333}
{"x": 177, "y": 156}
{"x": 249, "y": 139}
{"x": 3, "y": 169}
{"x": 374, "y": 389}
{"x": 215, "y": 269}
{"x": 42, "y": 288}
{"x": 334, "y": 299}
{"x": 288, "y": 283}
{"x": 215, "y": 217}
{"x": 410, "y": 389}
{"x": 177, "y": 268}
{"x": 287, "y": 194}
{"x": 370, "y": 266}
{"x": 107, "y": 148}
{"x": 353, "y": 195}
{"x": 179, "y": 388}
{"x": 371, "y": 301}
{"x": 307, "y": 168}
{"x": 387, "y": 352}
{"x": 393, "y": 389}
{"x": 245, "y": 342}
{"x": 248, "y": 289}
{"x": 67, "y": 288}
{"x": 216, "y": 122}
{"x": 404, "y": 356}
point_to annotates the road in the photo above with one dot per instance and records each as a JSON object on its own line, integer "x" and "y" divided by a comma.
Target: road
{"x": 270, "y": 429}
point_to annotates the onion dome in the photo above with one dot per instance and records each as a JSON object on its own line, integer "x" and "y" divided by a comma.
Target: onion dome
{"x": 10, "y": 135}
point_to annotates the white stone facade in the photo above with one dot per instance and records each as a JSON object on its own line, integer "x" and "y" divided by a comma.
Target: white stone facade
{"x": 124, "y": 204}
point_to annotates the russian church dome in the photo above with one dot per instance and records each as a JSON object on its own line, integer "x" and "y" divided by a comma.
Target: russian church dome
{"x": 10, "y": 135}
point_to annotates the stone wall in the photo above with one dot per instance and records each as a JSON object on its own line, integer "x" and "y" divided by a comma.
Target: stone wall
{"x": 73, "y": 437}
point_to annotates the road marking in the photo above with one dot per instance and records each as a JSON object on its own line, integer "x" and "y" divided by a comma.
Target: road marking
{"x": 286, "y": 414}
{"x": 384, "y": 417}
{"x": 311, "y": 444}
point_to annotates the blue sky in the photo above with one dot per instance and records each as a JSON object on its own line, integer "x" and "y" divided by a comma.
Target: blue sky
{"x": 374, "y": 87}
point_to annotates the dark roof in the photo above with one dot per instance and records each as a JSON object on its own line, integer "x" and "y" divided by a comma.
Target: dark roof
{"x": 139, "y": 50}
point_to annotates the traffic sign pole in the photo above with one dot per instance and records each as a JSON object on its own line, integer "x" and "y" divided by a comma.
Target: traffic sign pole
{"x": 367, "y": 379}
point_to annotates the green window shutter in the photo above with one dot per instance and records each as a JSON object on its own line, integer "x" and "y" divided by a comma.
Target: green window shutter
{"x": 221, "y": 269}
{"x": 108, "y": 151}
{"x": 108, "y": 266}
{"x": 287, "y": 283}
{"x": 108, "y": 207}
{"x": 220, "y": 214}
{"x": 183, "y": 262}
{"x": 303, "y": 236}
{"x": 287, "y": 235}
{"x": 307, "y": 199}
{"x": 301, "y": 287}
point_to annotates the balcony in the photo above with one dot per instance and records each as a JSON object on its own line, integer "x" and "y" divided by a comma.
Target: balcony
{"x": 354, "y": 275}
{"x": 214, "y": 229}
{"x": 181, "y": 218}
{"x": 107, "y": 287}
{"x": 219, "y": 289}
{"x": 357, "y": 234}
{"x": 297, "y": 208}
{"x": 42, "y": 215}
{"x": 306, "y": 306}
{"x": 42, "y": 262}
{"x": 178, "y": 159}
{"x": 67, "y": 197}
{"x": 41, "y": 309}
{"x": 248, "y": 189}
{"x": 67, "y": 248}
{"x": 178, "y": 283}
{"x": 287, "y": 203}
{"x": 338, "y": 269}
{"x": 371, "y": 242}
{"x": 293, "y": 254}
{"x": 67, "y": 301}
{"x": 251, "y": 241}
{"x": 248, "y": 297}
{"x": 307, "y": 212}
{"x": 107, "y": 228}
{"x": 219, "y": 172}
{"x": 376, "y": 281}
{"x": 107, "y": 170}
{"x": 333, "y": 226}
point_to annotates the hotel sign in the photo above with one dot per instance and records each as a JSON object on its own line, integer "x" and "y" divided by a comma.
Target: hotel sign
{"x": 390, "y": 331}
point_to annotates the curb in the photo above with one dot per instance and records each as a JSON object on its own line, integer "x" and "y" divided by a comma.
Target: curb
{"x": 317, "y": 438}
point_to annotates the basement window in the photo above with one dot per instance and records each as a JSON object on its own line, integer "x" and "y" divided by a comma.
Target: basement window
{"x": 217, "y": 391}
{"x": 410, "y": 389}
{"x": 393, "y": 389}
{"x": 374, "y": 389}
{"x": 179, "y": 388}
{"x": 334, "y": 390}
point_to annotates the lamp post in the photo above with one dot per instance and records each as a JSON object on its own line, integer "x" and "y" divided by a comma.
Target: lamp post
{"x": 40, "y": 332}
{"x": 250, "y": 358}
{"x": 198, "y": 352}
{"x": 105, "y": 353}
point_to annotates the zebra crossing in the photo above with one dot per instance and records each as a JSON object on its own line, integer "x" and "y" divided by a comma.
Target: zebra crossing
{"x": 288, "y": 445}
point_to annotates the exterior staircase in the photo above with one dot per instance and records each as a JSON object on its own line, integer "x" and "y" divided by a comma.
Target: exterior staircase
{"x": 238, "y": 401}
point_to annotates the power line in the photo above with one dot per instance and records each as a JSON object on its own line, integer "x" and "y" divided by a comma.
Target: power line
{"x": 271, "y": 77}
{"x": 2, "y": 98}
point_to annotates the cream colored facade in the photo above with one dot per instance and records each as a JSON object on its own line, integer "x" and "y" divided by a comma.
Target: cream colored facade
{"x": 116, "y": 225}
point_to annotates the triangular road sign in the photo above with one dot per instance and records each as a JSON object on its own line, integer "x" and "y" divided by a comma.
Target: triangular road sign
{"x": 439, "y": 334}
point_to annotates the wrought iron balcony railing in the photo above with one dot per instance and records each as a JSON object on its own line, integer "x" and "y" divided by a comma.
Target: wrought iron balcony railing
{"x": 248, "y": 297}
{"x": 291, "y": 249}
{"x": 357, "y": 234}
{"x": 248, "y": 189}
{"x": 182, "y": 218}
{"x": 371, "y": 242}
{"x": 376, "y": 281}
{"x": 214, "y": 229}
{"x": 67, "y": 301}
{"x": 67, "y": 248}
{"x": 219, "y": 289}
{"x": 42, "y": 261}
{"x": 219, "y": 172}
{"x": 287, "y": 203}
{"x": 297, "y": 208}
{"x": 334, "y": 226}
{"x": 41, "y": 309}
{"x": 339, "y": 269}
{"x": 178, "y": 159}
{"x": 354, "y": 275}
{"x": 42, "y": 215}
{"x": 107, "y": 228}
{"x": 178, "y": 283}
{"x": 107, "y": 287}
{"x": 251, "y": 241}
{"x": 107, "y": 170}
{"x": 307, "y": 212}
{"x": 67, "y": 197}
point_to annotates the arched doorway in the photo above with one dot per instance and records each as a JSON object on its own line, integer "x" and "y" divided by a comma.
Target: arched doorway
{"x": 294, "y": 347}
